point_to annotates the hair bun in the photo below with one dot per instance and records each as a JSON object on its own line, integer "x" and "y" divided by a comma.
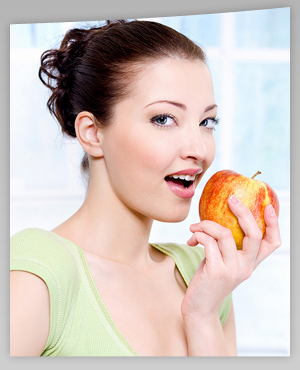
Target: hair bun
{"x": 56, "y": 73}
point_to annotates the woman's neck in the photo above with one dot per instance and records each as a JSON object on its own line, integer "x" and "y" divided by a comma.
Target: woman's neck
{"x": 105, "y": 226}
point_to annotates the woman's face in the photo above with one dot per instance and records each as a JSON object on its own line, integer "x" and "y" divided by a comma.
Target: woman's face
{"x": 163, "y": 128}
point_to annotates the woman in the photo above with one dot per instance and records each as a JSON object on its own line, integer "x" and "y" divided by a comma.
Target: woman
{"x": 139, "y": 98}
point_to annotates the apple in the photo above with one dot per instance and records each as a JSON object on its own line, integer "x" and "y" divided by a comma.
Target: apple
{"x": 253, "y": 193}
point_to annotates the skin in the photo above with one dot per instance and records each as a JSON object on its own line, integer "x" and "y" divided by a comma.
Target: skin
{"x": 165, "y": 317}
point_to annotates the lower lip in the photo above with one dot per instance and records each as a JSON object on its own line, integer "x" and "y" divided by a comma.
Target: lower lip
{"x": 181, "y": 191}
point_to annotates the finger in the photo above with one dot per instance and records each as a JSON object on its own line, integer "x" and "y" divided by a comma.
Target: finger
{"x": 211, "y": 249}
{"x": 194, "y": 227}
{"x": 248, "y": 224}
{"x": 272, "y": 239}
{"x": 224, "y": 238}
{"x": 272, "y": 226}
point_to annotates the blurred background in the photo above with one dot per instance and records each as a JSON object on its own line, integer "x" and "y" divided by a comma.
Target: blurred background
{"x": 249, "y": 57}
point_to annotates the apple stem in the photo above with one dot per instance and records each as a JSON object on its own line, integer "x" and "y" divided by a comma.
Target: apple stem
{"x": 257, "y": 173}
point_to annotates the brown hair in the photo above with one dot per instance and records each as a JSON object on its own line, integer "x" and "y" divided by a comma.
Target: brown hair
{"x": 92, "y": 69}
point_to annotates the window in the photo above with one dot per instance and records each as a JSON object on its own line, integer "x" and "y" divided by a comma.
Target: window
{"x": 249, "y": 57}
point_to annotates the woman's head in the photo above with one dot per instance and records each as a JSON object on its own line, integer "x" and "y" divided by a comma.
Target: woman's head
{"x": 94, "y": 69}
{"x": 152, "y": 157}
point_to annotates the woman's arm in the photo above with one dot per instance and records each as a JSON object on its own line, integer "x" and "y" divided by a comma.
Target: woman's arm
{"x": 229, "y": 331}
{"x": 29, "y": 314}
{"x": 207, "y": 337}
{"x": 222, "y": 270}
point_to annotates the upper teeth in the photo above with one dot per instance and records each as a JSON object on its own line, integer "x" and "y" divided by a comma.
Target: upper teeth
{"x": 184, "y": 177}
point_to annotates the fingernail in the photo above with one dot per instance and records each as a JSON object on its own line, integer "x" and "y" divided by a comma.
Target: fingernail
{"x": 271, "y": 210}
{"x": 234, "y": 200}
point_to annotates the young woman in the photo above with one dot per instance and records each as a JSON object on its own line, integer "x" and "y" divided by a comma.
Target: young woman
{"x": 139, "y": 98}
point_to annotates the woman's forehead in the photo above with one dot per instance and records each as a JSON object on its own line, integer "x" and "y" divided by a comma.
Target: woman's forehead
{"x": 182, "y": 84}
{"x": 172, "y": 77}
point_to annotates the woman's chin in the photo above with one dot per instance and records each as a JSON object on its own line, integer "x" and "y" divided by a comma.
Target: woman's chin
{"x": 173, "y": 217}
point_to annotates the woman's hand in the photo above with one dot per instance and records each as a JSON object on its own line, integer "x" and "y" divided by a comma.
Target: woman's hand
{"x": 224, "y": 267}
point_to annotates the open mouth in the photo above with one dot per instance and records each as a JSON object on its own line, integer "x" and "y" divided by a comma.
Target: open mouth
{"x": 182, "y": 181}
{"x": 182, "y": 185}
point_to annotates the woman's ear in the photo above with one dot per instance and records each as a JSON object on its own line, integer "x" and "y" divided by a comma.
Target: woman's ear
{"x": 88, "y": 134}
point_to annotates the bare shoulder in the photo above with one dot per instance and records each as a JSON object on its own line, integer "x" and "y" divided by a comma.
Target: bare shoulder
{"x": 29, "y": 314}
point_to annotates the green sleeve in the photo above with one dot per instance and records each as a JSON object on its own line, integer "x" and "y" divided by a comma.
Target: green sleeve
{"x": 41, "y": 253}
{"x": 188, "y": 260}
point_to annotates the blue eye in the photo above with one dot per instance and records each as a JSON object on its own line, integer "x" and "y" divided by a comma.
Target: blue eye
{"x": 210, "y": 123}
{"x": 163, "y": 120}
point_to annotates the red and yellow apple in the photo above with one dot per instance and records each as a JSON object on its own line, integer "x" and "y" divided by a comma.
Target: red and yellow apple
{"x": 253, "y": 193}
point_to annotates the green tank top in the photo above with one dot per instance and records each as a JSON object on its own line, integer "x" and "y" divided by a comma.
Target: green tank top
{"x": 80, "y": 324}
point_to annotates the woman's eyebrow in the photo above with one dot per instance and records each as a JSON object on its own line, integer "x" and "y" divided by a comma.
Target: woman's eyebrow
{"x": 210, "y": 107}
{"x": 181, "y": 105}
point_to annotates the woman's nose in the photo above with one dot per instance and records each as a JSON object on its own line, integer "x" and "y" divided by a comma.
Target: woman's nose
{"x": 194, "y": 147}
